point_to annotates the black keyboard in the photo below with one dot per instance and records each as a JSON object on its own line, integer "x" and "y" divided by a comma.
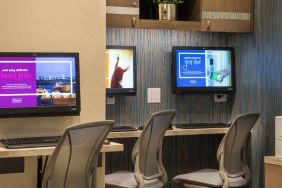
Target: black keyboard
{"x": 30, "y": 142}
{"x": 142, "y": 127}
{"x": 202, "y": 125}
{"x": 122, "y": 128}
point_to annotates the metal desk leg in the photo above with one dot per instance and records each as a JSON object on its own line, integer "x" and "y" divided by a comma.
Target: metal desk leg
{"x": 39, "y": 171}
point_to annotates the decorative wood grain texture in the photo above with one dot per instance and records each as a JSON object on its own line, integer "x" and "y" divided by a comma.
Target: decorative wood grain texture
{"x": 226, "y": 5}
{"x": 154, "y": 70}
{"x": 165, "y": 24}
{"x": 225, "y": 25}
{"x": 273, "y": 176}
{"x": 259, "y": 79}
{"x": 182, "y": 154}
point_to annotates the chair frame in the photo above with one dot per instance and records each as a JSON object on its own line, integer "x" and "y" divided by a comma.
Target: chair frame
{"x": 224, "y": 175}
{"x": 92, "y": 164}
{"x": 246, "y": 172}
{"x": 139, "y": 177}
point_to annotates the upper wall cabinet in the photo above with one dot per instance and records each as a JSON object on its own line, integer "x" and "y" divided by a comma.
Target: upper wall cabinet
{"x": 122, "y": 13}
{"x": 227, "y": 15}
{"x": 198, "y": 15}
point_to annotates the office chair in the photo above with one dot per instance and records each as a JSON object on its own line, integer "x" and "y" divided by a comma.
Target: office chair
{"x": 146, "y": 156}
{"x": 231, "y": 155}
{"x": 74, "y": 161}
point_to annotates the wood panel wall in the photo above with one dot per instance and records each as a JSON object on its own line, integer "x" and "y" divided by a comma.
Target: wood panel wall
{"x": 181, "y": 154}
{"x": 154, "y": 70}
{"x": 258, "y": 78}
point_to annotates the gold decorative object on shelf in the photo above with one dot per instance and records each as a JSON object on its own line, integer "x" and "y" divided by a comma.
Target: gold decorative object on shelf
{"x": 167, "y": 12}
{"x": 167, "y": 9}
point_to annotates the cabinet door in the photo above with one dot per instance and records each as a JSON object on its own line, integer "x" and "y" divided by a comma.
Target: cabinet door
{"x": 227, "y": 15}
{"x": 122, "y": 13}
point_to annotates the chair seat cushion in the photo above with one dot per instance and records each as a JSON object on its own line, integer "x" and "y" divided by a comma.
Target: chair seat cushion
{"x": 126, "y": 179}
{"x": 207, "y": 177}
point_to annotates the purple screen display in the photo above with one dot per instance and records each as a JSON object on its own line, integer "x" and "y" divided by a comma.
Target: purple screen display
{"x": 27, "y": 82}
{"x": 17, "y": 82}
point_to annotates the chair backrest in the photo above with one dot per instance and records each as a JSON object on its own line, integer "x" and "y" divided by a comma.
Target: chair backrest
{"x": 74, "y": 161}
{"x": 147, "y": 152}
{"x": 232, "y": 149}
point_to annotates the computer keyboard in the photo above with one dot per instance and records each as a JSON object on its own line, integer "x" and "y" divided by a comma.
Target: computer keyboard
{"x": 202, "y": 125}
{"x": 122, "y": 128}
{"x": 30, "y": 142}
{"x": 142, "y": 127}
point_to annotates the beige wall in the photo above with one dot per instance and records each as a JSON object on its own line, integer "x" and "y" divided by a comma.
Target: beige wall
{"x": 56, "y": 26}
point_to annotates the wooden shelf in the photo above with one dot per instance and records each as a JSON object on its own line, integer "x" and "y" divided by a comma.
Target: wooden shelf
{"x": 165, "y": 24}
{"x": 230, "y": 16}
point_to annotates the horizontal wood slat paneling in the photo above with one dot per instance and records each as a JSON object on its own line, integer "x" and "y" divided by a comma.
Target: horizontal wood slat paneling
{"x": 226, "y": 5}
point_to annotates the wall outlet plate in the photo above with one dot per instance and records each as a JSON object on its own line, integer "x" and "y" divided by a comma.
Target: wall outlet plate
{"x": 154, "y": 95}
{"x": 111, "y": 100}
{"x": 220, "y": 98}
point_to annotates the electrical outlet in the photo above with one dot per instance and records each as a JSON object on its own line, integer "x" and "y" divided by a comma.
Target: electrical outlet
{"x": 154, "y": 95}
{"x": 111, "y": 100}
{"x": 220, "y": 98}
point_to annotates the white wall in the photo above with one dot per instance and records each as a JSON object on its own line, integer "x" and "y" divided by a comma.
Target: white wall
{"x": 55, "y": 26}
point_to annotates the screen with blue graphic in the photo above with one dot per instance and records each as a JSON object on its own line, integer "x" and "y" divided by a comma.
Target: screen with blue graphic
{"x": 203, "y": 68}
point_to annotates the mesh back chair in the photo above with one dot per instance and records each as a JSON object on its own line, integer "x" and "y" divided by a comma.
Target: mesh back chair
{"x": 231, "y": 155}
{"x": 74, "y": 161}
{"x": 146, "y": 156}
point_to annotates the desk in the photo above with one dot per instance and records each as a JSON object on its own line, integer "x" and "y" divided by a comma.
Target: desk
{"x": 173, "y": 132}
{"x": 273, "y": 172}
{"x": 43, "y": 151}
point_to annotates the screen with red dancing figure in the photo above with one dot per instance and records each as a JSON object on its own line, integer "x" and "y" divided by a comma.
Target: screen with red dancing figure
{"x": 120, "y": 70}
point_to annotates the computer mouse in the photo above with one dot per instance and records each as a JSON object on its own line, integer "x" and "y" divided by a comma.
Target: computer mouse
{"x": 141, "y": 127}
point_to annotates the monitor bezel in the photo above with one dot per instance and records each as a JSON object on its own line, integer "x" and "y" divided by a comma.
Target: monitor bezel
{"x": 202, "y": 90}
{"x": 110, "y": 92}
{"x": 46, "y": 111}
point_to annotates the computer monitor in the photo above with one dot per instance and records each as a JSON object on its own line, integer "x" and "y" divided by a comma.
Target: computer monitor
{"x": 203, "y": 69}
{"x": 39, "y": 84}
{"x": 120, "y": 70}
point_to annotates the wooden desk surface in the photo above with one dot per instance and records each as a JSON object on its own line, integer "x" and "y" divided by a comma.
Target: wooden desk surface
{"x": 113, "y": 147}
{"x": 272, "y": 172}
{"x": 41, "y": 151}
{"x": 273, "y": 160}
{"x": 174, "y": 132}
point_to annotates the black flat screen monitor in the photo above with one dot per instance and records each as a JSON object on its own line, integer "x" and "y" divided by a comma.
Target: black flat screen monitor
{"x": 120, "y": 70}
{"x": 203, "y": 69}
{"x": 39, "y": 84}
